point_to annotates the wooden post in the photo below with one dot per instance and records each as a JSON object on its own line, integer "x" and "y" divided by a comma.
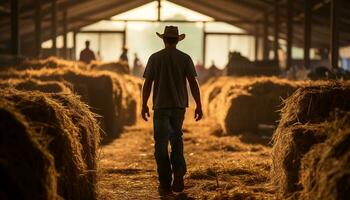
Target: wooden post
{"x": 54, "y": 26}
{"x": 290, "y": 10}
{"x": 334, "y": 47}
{"x": 307, "y": 32}
{"x": 65, "y": 28}
{"x": 277, "y": 30}
{"x": 204, "y": 44}
{"x": 100, "y": 42}
{"x": 38, "y": 28}
{"x": 15, "y": 38}
{"x": 75, "y": 45}
{"x": 159, "y": 10}
{"x": 256, "y": 42}
{"x": 124, "y": 34}
{"x": 266, "y": 39}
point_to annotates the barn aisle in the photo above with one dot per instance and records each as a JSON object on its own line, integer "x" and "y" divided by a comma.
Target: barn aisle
{"x": 228, "y": 166}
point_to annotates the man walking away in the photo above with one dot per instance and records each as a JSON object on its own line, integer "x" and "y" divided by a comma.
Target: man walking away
{"x": 168, "y": 70}
{"x": 87, "y": 55}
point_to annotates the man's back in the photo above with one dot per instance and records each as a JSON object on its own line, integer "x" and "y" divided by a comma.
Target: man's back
{"x": 87, "y": 55}
{"x": 169, "y": 68}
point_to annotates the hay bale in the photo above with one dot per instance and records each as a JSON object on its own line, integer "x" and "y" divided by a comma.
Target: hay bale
{"x": 27, "y": 169}
{"x": 113, "y": 96}
{"x": 301, "y": 127}
{"x": 51, "y": 62}
{"x": 116, "y": 67}
{"x": 241, "y": 104}
{"x": 35, "y": 85}
{"x": 210, "y": 90}
{"x": 314, "y": 103}
{"x": 97, "y": 89}
{"x": 73, "y": 138}
{"x": 325, "y": 169}
{"x": 88, "y": 130}
{"x": 133, "y": 86}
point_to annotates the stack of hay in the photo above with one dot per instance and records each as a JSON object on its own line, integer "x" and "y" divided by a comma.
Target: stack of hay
{"x": 35, "y": 85}
{"x": 311, "y": 153}
{"x": 51, "y": 62}
{"x": 48, "y": 147}
{"x": 116, "y": 67}
{"x": 241, "y": 104}
{"x": 112, "y": 96}
{"x": 49, "y": 137}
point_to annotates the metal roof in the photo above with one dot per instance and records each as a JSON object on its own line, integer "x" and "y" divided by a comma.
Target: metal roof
{"x": 85, "y": 12}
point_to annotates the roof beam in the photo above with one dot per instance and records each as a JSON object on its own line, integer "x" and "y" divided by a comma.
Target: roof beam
{"x": 211, "y": 9}
{"x": 103, "y": 12}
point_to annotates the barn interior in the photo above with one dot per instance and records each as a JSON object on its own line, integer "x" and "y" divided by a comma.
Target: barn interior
{"x": 274, "y": 80}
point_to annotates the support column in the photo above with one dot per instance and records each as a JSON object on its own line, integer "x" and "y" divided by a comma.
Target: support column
{"x": 256, "y": 52}
{"x": 75, "y": 45}
{"x": 100, "y": 42}
{"x": 334, "y": 47}
{"x": 65, "y": 28}
{"x": 54, "y": 26}
{"x": 277, "y": 30}
{"x": 204, "y": 44}
{"x": 307, "y": 32}
{"x": 266, "y": 39}
{"x": 159, "y": 10}
{"x": 15, "y": 38}
{"x": 38, "y": 28}
{"x": 124, "y": 34}
{"x": 290, "y": 15}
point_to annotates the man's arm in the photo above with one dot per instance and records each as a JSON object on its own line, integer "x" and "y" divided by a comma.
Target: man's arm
{"x": 197, "y": 97}
{"x": 146, "y": 92}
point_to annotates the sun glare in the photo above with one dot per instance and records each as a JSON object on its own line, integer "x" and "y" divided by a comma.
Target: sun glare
{"x": 142, "y": 24}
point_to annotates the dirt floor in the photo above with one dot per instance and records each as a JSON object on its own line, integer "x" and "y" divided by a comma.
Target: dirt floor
{"x": 229, "y": 167}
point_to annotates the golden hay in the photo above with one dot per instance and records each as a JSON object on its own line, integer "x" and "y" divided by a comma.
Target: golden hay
{"x": 325, "y": 169}
{"x": 114, "y": 97}
{"x": 27, "y": 170}
{"x": 35, "y": 85}
{"x": 301, "y": 127}
{"x": 51, "y": 62}
{"x": 212, "y": 89}
{"x": 71, "y": 135}
{"x": 116, "y": 67}
{"x": 241, "y": 104}
{"x": 132, "y": 88}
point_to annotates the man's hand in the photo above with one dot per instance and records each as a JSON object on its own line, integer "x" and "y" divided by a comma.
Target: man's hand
{"x": 145, "y": 113}
{"x": 198, "y": 114}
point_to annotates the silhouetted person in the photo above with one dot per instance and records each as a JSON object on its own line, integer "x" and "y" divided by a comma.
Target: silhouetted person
{"x": 199, "y": 67}
{"x": 124, "y": 56}
{"x": 137, "y": 69}
{"x": 99, "y": 56}
{"x": 213, "y": 71}
{"x": 168, "y": 70}
{"x": 87, "y": 55}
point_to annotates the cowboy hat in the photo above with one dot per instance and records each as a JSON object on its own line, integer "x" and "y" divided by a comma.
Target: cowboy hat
{"x": 171, "y": 32}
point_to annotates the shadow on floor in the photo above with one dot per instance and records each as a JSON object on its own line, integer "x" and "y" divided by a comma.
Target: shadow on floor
{"x": 127, "y": 171}
{"x": 109, "y": 138}
{"x": 263, "y": 136}
{"x": 173, "y": 196}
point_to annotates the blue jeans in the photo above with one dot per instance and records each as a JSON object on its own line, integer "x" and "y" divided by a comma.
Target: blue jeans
{"x": 167, "y": 124}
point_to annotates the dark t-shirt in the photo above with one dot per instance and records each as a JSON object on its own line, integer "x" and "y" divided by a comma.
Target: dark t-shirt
{"x": 169, "y": 69}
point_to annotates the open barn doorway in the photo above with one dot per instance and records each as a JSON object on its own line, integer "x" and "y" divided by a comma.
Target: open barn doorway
{"x": 107, "y": 45}
{"x": 140, "y": 24}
